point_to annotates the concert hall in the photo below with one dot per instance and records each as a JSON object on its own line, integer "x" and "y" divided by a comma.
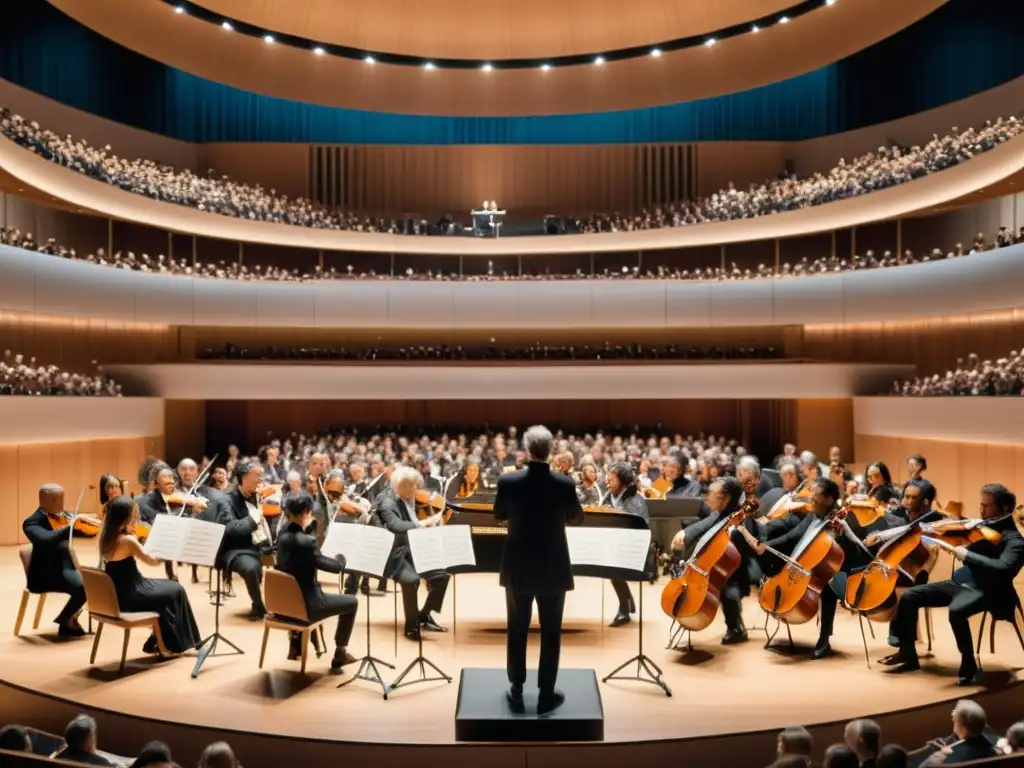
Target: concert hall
{"x": 518, "y": 383}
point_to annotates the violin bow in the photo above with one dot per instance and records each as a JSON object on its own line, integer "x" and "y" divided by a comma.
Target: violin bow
{"x": 200, "y": 478}
{"x": 74, "y": 515}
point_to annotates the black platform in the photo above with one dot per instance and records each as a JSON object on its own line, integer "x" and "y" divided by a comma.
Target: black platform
{"x": 483, "y": 712}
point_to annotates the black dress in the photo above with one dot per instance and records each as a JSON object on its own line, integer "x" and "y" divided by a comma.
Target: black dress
{"x": 168, "y": 598}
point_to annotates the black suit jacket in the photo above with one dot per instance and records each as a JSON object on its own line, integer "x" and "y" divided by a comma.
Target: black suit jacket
{"x": 50, "y": 554}
{"x": 993, "y": 567}
{"x": 232, "y": 513}
{"x": 391, "y": 514}
{"x": 76, "y": 756}
{"x": 150, "y": 505}
{"x": 974, "y": 748}
{"x": 537, "y": 504}
{"x": 431, "y": 483}
{"x": 297, "y": 554}
{"x": 683, "y": 488}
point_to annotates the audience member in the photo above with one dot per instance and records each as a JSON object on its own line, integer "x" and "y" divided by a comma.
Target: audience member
{"x": 17, "y": 378}
{"x": 14, "y": 738}
{"x": 969, "y": 726}
{"x": 892, "y": 756}
{"x": 1003, "y": 377}
{"x": 795, "y": 741}
{"x": 1014, "y": 739}
{"x": 864, "y": 737}
{"x": 81, "y": 742}
{"x": 840, "y": 756}
{"x": 154, "y": 755}
{"x": 218, "y": 755}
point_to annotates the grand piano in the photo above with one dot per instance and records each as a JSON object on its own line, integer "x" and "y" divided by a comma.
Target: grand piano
{"x": 488, "y": 534}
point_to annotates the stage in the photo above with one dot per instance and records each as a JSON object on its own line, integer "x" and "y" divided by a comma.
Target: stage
{"x": 740, "y": 695}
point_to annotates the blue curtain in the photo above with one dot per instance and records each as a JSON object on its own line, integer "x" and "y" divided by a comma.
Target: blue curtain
{"x": 965, "y": 47}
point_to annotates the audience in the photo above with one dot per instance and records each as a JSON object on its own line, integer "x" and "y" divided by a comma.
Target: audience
{"x": 795, "y": 742}
{"x": 892, "y": 756}
{"x": 14, "y": 738}
{"x": 17, "y": 378}
{"x": 864, "y": 737}
{"x": 218, "y": 755}
{"x": 969, "y": 740}
{"x": 234, "y": 271}
{"x": 1013, "y": 741}
{"x": 81, "y": 742}
{"x": 887, "y": 167}
{"x": 1005, "y": 376}
{"x": 840, "y": 756}
{"x": 535, "y": 351}
{"x": 155, "y": 754}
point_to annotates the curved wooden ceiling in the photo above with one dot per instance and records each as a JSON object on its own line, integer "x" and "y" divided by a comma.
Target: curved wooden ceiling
{"x": 808, "y": 42}
{"x": 496, "y": 29}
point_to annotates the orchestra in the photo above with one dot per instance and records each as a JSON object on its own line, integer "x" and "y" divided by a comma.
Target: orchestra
{"x": 803, "y": 549}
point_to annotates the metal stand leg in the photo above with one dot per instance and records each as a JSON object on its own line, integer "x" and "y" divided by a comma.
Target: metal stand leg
{"x": 675, "y": 638}
{"x": 646, "y": 670}
{"x": 208, "y": 646}
{"x": 863, "y": 637}
{"x": 368, "y": 670}
{"x": 422, "y": 662}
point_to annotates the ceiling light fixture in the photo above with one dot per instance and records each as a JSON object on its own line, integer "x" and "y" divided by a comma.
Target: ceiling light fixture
{"x": 599, "y": 61}
{"x": 755, "y": 29}
{"x": 180, "y": 9}
{"x": 545, "y": 67}
{"x": 830, "y": 2}
{"x": 319, "y": 51}
{"x": 370, "y": 60}
{"x": 784, "y": 20}
{"x": 710, "y": 42}
{"x": 226, "y": 25}
{"x": 268, "y": 39}
{"x": 656, "y": 52}
{"x": 428, "y": 65}
{"x": 486, "y": 67}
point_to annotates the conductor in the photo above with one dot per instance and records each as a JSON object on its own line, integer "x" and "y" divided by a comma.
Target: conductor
{"x": 537, "y": 505}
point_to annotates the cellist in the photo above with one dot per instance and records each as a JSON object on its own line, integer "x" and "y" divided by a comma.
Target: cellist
{"x": 983, "y": 583}
{"x": 724, "y": 497}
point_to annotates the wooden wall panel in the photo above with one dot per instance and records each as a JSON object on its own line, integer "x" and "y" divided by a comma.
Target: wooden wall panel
{"x": 24, "y": 468}
{"x": 185, "y": 430}
{"x": 820, "y": 424}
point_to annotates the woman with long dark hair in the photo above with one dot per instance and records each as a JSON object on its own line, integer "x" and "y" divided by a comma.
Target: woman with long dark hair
{"x": 879, "y": 482}
{"x": 119, "y": 549}
{"x": 111, "y": 486}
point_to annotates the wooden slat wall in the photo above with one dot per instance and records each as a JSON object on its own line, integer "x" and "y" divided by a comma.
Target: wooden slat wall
{"x": 958, "y": 469}
{"x": 24, "y": 468}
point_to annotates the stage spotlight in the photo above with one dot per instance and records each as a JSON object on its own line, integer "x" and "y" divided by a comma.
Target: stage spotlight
{"x": 319, "y": 51}
{"x": 656, "y": 52}
{"x": 370, "y": 60}
{"x": 268, "y": 39}
{"x": 226, "y": 25}
{"x": 599, "y": 61}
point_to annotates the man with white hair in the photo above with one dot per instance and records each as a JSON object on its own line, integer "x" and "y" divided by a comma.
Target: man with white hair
{"x": 397, "y": 513}
{"x": 536, "y": 504}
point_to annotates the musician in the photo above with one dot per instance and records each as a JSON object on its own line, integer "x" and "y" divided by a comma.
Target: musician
{"x": 810, "y": 468}
{"x": 789, "y": 474}
{"x": 470, "y": 482}
{"x": 147, "y": 473}
{"x": 158, "y": 502}
{"x": 916, "y": 466}
{"x": 785, "y": 534}
{"x": 273, "y": 472}
{"x": 537, "y": 503}
{"x": 621, "y": 484}
{"x": 357, "y": 477}
{"x": 292, "y": 481}
{"x": 51, "y": 568}
{"x": 983, "y": 583}
{"x": 422, "y": 465}
{"x": 589, "y": 489}
{"x": 297, "y": 554}
{"x": 788, "y": 456}
{"x": 397, "y": 512}
{"x": 111, "y": 486}
{"x": 682, "y": 486}
{"x": 879, "y": 482}
{"x": 725, "y": 496}
{"x": 238, "y": 554}
{"x": 380, "y": 480}
{"x": 219, "y": 480}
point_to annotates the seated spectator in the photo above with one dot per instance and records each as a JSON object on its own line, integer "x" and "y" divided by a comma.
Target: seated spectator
{"x": 795, "y": 741}
{"x": 840, "y": 756}
{"x": 791, "y": 761}
{"x": 155, "y": 754}
{"x": 892, "y": 756}
{"x": 14, "y": 738}
{"x": 81, "y": 743}
{"x": 1005, "y": 376}
{"x": 969, "y": 724}
{"x": 218, "y": 755}
{"x": 864, "y": 737}
{"x": 17, "y": 378}
{"x": 1014, "y": 739}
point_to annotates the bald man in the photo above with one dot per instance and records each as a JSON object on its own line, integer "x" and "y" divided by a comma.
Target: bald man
{"x": 51, "y": 568}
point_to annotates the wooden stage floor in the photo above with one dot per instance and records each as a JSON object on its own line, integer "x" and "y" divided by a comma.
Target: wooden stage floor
{"x": 717, "y": 690}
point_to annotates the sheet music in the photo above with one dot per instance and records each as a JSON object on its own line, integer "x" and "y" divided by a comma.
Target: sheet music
{"x": 185, "y": 540}
{"x": 440, "y": 548}
{"x": 609, "y": 547}
{"x": 366, "y": 548}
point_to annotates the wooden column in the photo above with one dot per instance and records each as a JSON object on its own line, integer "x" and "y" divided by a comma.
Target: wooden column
{"x": 853, "y": 242}
{"x": 195, "y": 253}
{"x": 778, "y": 256}
{"x": 110, "y": 238}
{"x": 899, "y": 241}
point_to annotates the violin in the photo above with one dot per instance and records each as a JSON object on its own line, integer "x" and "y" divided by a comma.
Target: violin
{"x": 961, "y": 532}
{"x": 797, "y": 502}
{"x": 184, "y": 499}
{"x": 86, "y": 525}
{"x": 692, "y": 597}
{"x": 793, "y": 595}
{"x": 429, "y": 503}
{"x": 335, "y": 487}
{"x": 865, "y": 509}
{"x": 658, "y": 488}
{"x": 271, "y": 495}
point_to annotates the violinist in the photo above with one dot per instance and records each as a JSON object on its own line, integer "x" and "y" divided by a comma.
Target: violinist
{"x": 789, "y": 475}
{"x": 682, "y": 486}
{"x": 110, "y": 487}
{"x": 879, "y": 482}
{"x": 811, "y": 469}
{"x": 785, "y": 535}
{"x": 273, "y": 472}
{"x": 621, "y": 484}
{"x": 165, "y": 498}
{"x": 724, "y": 497}
{"x": 422, "y": 465}
{"x": 240, "y": 515}
{"x": 51, "y": 568}
{"x": 983, "y": 583}
{"x": 357, "y": 477}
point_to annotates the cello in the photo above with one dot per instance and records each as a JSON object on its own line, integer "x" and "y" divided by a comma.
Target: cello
{"x": 797, "y": 502}
{"x": 657, "y": 489}
{"x": 693, "y": 595}
{"x": 793, "y": 595}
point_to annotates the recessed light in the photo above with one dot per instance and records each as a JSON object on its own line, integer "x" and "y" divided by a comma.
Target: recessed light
{"x": 656, "y": 52}
{"x": 268, "y": 39}
{"x": 428, "y": 65}
{"x": 180, "y": 9}
{"x": 486, "y": 67}
{"x": 545, "y": 67}
{"x": 226, "y": 25}
{"x": 370, "y": 60}
{"x": 830, "y": 2}
{"x": 784, "y": 20}
{"x": 599, "y": 60}
{"x": 319, "y": 51}
{"x": 710, "y": 42}
{"x": 755, "y": 29}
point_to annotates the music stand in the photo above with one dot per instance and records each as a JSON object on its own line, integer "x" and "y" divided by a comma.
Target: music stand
{"x": 422, "y": 662}
{"x": 647, "y": 671}
{"x": 208, "y": 646}
{"x": 368, "y": 670}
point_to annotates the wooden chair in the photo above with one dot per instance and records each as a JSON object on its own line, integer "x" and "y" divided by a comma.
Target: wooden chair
{"x": 286, "y": 610}
{"x": 1015, "y": 618}
{"x": 25, "y": 553}
{"x": 103, "y": 606}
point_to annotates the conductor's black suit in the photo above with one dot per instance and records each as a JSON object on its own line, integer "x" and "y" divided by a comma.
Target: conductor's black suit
{"x": 537, "y": 504}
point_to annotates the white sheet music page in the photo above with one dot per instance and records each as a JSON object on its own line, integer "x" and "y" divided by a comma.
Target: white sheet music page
{"x": 609, "y": 547}
{"x": 426, "y": 545}
{"x": 366, "y": 548}
{"x": 458, "y": 545}
{"x": 202, "y": 542}
{"x": 167, "y": 536}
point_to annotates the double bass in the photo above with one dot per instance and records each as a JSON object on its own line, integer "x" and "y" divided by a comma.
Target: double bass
{"x": 793, "y": 595}
{"x": 693, "y": 595}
